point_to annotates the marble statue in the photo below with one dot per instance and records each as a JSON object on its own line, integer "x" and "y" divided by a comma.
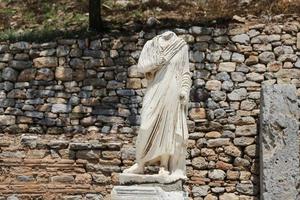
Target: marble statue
{"x": 163, "y": 133}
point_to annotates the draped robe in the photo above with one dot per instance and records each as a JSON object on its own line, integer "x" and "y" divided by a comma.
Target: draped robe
{"x": 163, "y": 129}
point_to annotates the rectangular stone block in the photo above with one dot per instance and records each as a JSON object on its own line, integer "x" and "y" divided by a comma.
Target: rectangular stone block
{"x": 145, "y": 193}
{"x": 279, "y": 143}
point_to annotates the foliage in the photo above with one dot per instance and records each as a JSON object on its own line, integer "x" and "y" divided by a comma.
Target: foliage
{"x": 32, "y": 19}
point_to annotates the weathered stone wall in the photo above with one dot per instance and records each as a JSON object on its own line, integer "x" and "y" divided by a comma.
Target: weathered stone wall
{"x": 70, "y": 109}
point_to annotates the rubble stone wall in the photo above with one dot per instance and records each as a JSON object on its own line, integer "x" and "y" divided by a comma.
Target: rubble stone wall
{"x": 70, "y": 109}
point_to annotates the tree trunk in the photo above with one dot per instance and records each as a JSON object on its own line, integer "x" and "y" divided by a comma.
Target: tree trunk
{"x": 95, "y": 20}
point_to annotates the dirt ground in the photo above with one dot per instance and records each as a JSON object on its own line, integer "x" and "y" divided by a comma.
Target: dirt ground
{"x": 21, "y": 16}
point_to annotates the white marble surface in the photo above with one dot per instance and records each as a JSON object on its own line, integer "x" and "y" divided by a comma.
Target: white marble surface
{"x": 163, "y": 133}
{"x": 145, "y": 193}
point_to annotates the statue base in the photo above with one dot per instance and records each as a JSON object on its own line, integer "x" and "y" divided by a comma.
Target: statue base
{"x": 146, "y": 178}
{"x": 149, "y": 187}
{"x": 145, "y": 193}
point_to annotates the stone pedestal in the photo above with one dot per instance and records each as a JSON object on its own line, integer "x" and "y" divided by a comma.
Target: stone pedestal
{"x": 149, "y": 187}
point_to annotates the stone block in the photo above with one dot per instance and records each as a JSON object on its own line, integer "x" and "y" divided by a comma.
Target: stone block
{"x": 199, "y": 163}
{"x": 134, "y": 83}
{"x": 216, "y": 174}
{"x": 63, "y": 73}
{"x": 213, "y": 85}
{"x": 229, "y": 196}
{"x": 237, "y": 94}
{"x": 227, "y": 67}
{"x": 20, "y": 65}
{"x": 45, "y": 62}
{"x": 242, "y": 39}
{"x": 27, "y": 75}
{"x": 218, "y": 142}
{"x": 246, "y": 130}
{"x": 61, "y": 108}
{"x": 20, "y": 46}
{"x": 279, "y": 142}
{"x": 200, "y": 190}
{"x": 145, "y": 193}
{"x": 7, "y": 120}
{"x": 197, "y": 114}
{"x": 9, "y": 74}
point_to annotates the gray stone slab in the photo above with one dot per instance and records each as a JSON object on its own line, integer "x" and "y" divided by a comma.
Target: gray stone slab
{"x": 279, "y": 144}
{"x": 145, "y": 193}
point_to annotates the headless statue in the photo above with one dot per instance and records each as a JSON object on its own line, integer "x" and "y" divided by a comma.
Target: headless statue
{"x": 163, "y": 133}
